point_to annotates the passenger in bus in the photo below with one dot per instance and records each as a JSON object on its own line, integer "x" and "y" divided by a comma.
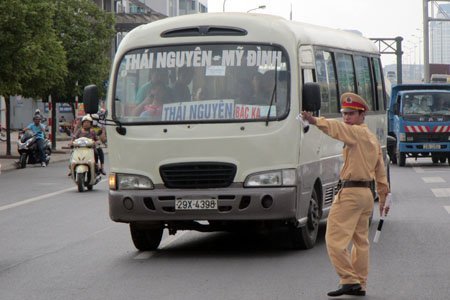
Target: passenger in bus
{"x": 181, "y": 91}
{"x": 348, "y": 220}
{"x": 263, "y": 85}
{"x": 153, "y": 103}
{"x": 158, "y": 77}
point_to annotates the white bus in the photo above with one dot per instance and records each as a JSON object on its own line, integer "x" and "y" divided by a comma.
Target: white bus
{"x": 204, "y": 133}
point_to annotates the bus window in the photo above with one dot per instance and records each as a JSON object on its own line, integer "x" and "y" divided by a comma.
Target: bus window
{"x": 380, "y": 99}
{"x": 345, "y": 73}
{"x": 364, "y": 80}
{"x": 226, "y": 82}
{"x": 327, "y": 80}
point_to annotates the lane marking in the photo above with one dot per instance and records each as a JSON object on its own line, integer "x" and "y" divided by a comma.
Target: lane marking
{"x": 35, "y": 199}
{"x": 165, "y": 243}
{"x": 431, "y": 170}
{"x": 445, "y": 192}
{"x": 433, "y": 179}
{"x": 39, "y": 198}
{"x": 447, "y": 208}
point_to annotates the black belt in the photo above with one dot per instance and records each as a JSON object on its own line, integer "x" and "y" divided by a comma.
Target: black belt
{"x": 353, "y": 183}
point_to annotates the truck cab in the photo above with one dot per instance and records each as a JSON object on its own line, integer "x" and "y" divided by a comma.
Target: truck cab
{"x": 419, "y": 120}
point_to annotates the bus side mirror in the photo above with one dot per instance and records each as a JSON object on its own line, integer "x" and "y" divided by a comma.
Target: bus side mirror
{"x": 311, "y": 96}
{"x": 90, "y": 99}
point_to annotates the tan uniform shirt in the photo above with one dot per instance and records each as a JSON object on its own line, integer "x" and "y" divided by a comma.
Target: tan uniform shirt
{"x": 363, "y": 160}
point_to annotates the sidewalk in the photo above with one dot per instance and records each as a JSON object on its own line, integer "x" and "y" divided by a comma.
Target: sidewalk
{"x": 61, "y": 153}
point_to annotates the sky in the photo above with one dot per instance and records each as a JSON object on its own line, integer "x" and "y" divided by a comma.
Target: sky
{"x": 373, "y": 18}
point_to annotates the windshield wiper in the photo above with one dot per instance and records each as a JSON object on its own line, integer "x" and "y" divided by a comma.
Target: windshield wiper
{"x": 274, "y": 95}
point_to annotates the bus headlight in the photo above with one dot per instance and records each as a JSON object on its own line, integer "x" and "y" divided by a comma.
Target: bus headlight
{"x": 286, "y": 177}
{"x": 129, "y": 182}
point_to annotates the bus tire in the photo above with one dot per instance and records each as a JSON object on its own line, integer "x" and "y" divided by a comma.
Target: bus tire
{"x": 305, "y": 237}
{"x": 401, "y": 159}
{"x": 442, "y": 159}
{"x": 146, "y": 239}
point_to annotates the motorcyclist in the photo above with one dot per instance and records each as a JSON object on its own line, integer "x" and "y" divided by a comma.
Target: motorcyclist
{"x": 101, "y": 133}
{"x": 39, "y": 129}
{"x": 87, "y": 131}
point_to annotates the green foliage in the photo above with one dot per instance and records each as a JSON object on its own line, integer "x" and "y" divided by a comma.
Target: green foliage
{"x": 86, "y": 33}
{"x": 47, "y": 46}
{"x": 32, "y": 60}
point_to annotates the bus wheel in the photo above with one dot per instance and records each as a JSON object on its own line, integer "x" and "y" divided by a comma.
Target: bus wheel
{"x": 146, "y": 239}
{"x": 304, "y": 237}
{"x": 442, "y": 159}
{"x": 401, "y": 158}
{"x": 434, "y": 159}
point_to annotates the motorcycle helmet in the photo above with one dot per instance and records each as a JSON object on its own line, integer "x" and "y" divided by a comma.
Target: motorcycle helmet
{"x": 86, "y": 118}
{"x": 36, "y": 117}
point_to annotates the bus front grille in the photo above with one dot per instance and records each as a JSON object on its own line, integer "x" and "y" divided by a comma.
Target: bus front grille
{"x": 197, "y": 175}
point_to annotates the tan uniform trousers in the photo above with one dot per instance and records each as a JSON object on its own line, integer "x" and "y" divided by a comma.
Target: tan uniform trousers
{"x": 348, "y": 221}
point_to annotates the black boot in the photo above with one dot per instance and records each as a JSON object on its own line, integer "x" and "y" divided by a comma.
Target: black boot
{"x": 348, "y": 289}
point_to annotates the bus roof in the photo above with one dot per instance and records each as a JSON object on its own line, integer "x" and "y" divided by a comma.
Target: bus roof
{"x": 259, "y": 27}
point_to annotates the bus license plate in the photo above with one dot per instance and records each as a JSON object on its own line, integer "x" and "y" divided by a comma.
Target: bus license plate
{"x": 431, "y": 146}
{"x": 195, "y": 204}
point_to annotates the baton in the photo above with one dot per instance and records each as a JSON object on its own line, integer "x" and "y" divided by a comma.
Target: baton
{"x": 380, "y": 223}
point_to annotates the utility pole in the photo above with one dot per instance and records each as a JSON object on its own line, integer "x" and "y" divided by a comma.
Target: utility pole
{"x": 392, "y": 46}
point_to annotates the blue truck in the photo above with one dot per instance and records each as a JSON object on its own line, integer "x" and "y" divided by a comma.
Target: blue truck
{"x": 419, "y": 120}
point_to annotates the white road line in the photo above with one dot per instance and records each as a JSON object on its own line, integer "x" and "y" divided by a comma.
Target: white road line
{"x": 445, "y": 192}
{"x": 447, "y": 208}
{"x": 38, "y": 198}
{"x": 431, "y": 170}
{"x": 433, "y": 179}
{"x": 165, "y": 243}
{"x": 35, "y": 199}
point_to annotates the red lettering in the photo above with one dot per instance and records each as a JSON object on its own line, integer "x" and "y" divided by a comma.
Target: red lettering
{"x": 247, "y": 110}
{"x": 256, "y": 112}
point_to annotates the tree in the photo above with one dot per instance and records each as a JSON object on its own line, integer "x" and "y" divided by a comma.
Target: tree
{"x": 32, "y": 60}
{"x": 86, "y": 33}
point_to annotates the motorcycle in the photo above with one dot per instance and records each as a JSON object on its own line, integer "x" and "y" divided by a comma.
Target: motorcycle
{"x": 83, "y": 166}
{"x": 27, "y": 147}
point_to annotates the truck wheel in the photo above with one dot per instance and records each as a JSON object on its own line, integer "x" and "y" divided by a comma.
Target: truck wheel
{"x": 401, "y": 158}
{"x": 442, "y": 159}
{"x": 146, "y": 239}
{"x": 434, "y": 159}
{"x": 304, "y": 237}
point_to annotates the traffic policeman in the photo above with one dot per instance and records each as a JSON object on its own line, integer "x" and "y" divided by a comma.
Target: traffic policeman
{"x": 352, "y": 207}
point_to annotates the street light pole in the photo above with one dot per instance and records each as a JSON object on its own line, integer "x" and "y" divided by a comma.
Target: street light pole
{"x": 224, "y": 5}
{"x": 259, "y": 7}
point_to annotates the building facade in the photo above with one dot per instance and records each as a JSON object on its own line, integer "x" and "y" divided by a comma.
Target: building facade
{"x": 440, "y": 36}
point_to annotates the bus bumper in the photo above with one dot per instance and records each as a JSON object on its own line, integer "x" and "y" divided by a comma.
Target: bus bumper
{"x": 232, "y": 204}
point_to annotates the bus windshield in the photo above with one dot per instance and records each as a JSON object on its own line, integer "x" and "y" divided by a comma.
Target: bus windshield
{"x": 202, "y": 83}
